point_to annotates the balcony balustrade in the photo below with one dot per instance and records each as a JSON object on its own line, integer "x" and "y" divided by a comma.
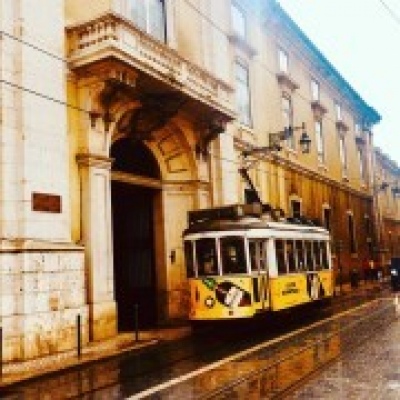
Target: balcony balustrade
{"x": 111, "y": 36}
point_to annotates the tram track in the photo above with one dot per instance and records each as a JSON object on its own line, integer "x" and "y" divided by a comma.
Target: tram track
{"x": 347, "y": 345}
{"x": 247, "y": 382}
{"x": 175, "y": 360}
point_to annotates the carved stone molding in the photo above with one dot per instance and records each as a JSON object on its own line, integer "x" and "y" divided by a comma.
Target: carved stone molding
{"x": 242, "y": 44}
{"x": 94, "y": 160}
{"x": 286, "y": 81}
{"x": 342, "y": 126}
{"x": 318, "y": 108}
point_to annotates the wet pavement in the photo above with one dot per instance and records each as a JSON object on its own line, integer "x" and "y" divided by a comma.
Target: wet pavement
{"x": 272, "y": 369}
{"x": 183, "y": 369}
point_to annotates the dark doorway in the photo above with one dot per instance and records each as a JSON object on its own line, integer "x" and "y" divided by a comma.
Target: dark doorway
{"x": 134, "y": 237}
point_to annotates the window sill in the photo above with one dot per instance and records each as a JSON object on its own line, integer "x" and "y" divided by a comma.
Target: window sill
{"x": 286, "y": 81}
{"x": 242, "y": 44}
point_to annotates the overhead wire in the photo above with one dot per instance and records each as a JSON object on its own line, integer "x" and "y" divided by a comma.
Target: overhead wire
{"x": 68, "y": 105}
{"x": 390, "y": 11}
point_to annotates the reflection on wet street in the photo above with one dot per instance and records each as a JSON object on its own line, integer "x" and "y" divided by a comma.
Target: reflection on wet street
{"x": 270, "y": 369}
{"x": 266, "y": 358}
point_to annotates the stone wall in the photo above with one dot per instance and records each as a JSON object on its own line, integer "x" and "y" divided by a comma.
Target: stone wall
{"x": 43, "y": 291}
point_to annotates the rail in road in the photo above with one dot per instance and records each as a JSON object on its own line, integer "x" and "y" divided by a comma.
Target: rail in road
{"x": 273, "y": 369}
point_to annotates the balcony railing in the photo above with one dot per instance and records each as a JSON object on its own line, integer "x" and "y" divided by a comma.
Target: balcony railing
{"x": 111, "y": 35}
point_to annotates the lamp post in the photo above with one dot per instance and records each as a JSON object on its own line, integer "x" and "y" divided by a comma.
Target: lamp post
{"x": 275, "y": 139}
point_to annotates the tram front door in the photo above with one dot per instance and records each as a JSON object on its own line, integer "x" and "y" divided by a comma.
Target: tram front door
{"x": 259, "y": 272}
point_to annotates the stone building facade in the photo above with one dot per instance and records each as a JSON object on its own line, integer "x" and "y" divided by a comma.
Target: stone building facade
{"x": 387, "y": 207}
{"x": 119, "y": 116}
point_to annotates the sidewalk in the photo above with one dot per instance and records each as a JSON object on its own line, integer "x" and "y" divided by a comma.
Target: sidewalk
{"x": 14, "y": 372}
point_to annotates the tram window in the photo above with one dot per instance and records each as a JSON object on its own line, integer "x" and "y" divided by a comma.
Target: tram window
{"x": 300, "y": 255}
{"x": 254, "y": 260}
{"x": 188, "y": 247}
{"x": 257, "y": 255}
{"x": 317, "y": 255}
{"x": 280, "y": 256}
{"x": 206, "y": 255}
{"x": 309, "y": 255}
{"x": 290, "y": 256}
{"x": 233, "y": 255}
{"x": 324, "y": 255}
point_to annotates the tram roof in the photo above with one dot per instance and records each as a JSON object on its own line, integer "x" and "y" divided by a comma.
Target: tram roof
{"x": 243, "y": 218}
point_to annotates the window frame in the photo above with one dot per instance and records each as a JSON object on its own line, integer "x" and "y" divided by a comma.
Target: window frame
{"x": 130, "y": 14}
{"x": 241, "y": 30}
{"x": 343, "y": 152}
{"x": 352, "y": 233}
{"x": 283, "y": 60}
{"x": 243, "y": 104}
{"x": 315, "y": 90}
{"x": 338, "y": 111}
{"x": 320, "y": 141}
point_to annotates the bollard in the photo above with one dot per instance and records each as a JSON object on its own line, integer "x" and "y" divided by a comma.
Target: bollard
{"x": 136, "y": 312}
{"x": 78, "y": 335}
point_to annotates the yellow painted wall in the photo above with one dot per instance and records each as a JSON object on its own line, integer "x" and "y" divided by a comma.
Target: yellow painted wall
{"x": 79, "y": 11}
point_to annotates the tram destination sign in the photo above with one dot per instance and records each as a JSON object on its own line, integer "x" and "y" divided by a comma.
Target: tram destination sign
{"x": 46, "y": 202}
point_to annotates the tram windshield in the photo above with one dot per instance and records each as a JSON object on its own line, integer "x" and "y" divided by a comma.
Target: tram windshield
{"x": 206, "y": 256}
{"x": 188, "y": 247}
{"x": 233, "y": 255}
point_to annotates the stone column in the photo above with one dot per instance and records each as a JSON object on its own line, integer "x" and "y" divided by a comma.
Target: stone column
{"x": 96, "y": 237}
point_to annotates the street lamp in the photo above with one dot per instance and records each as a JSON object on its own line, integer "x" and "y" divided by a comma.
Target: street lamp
{"x": 275, "y": 139}
{"x": 274, "y": 145}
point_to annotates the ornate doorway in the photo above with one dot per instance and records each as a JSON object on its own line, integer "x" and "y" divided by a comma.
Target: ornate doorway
{"x": 133, "y": 207}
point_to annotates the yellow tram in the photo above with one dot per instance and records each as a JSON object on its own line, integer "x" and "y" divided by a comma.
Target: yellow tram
{"x": 241, "y": 262}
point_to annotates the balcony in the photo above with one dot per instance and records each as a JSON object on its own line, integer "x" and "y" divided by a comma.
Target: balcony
{"x": 112, "y": 37}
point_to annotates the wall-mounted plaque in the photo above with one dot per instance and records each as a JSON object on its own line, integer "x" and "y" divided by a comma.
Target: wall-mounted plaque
{"x": 46, "y": 202}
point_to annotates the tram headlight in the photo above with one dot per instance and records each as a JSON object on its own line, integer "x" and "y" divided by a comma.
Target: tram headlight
{"x": 393, "y": 272}
{"x": 209, "y": 302}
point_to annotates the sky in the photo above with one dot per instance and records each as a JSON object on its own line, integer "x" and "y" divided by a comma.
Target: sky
{"x": 361, "y": 39}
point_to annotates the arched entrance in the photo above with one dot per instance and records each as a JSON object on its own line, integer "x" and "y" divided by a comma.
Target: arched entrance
{"x": 134, "y": 234}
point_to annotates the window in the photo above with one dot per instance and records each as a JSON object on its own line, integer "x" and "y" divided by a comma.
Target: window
{"x": 324, "y": 255}
{"x": 352, "y": 238}
{"x": 317, "y": 255}
{"x": 320, "y": 142}
{"x": 283, "y": 61}
{"x": 280, "y": 256}
{"x": 361, "y": 164}
{"x": 309, "y": 256}
{"x": 327, "y": 218}
{"x": 343, "y": 153}
{"x": 300, "y": 255}
{"x": 206, "y": 256}
{"x": 290, "y": 256}
{"x": 243, "y": 93}
{"x": 338, "y": 109}
{"x": 296, "y": 208}
{"x": 149, "y": 15}
{"x": 257, "y": 256}
{"x": 238, "y": 21}
{"x": 367, "y": 224}
{"x": 287, "y": 117}
{"x": 233, "y": 255}
{"x": 188, "y": 248}
{"x": 314, "y": 90}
